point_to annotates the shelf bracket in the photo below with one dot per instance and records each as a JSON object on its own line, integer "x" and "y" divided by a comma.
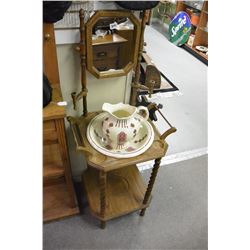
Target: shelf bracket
{"x": 170, "y": 130}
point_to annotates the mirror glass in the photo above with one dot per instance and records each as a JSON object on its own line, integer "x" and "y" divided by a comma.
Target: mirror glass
{"x": 113, "y": 44}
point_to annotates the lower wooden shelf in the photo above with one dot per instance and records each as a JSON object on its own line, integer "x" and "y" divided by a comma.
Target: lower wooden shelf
{"x": 125, "y": 190}
{"x": 199, "y": 55}
{"x": 52, "y": 171}
{"x": 56, "y": 202}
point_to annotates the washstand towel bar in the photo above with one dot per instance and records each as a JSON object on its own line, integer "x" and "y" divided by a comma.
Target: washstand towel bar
{"x": 75, "y": 122}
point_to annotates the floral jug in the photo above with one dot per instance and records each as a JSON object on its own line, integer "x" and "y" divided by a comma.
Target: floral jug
{"x": 122, "y": 124}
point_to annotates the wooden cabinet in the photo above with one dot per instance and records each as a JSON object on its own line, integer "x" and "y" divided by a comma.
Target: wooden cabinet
{"x": 58, "y": 193}
{"x": 106, "y": 52}
{"x": 200, "y": 31}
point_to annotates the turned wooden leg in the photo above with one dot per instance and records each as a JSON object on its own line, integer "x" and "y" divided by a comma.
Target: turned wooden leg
{"x": 103, "y": 224}
{"x": 151, "y": 184}
{"x": 102, "y": 179}
{"x": 60, "y": 127}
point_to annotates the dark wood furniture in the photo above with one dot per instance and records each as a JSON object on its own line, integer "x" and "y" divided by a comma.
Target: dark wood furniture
{"x": 58, "y": 192}
{"x": 200, "y": 31}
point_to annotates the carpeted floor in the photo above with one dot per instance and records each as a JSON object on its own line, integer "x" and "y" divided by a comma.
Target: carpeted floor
{"x": 187, "y": 112}
{"x": 176, "y": 219}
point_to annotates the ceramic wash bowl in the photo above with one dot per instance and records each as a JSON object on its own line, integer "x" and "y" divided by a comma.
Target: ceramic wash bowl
{"x": 138, "y": 144}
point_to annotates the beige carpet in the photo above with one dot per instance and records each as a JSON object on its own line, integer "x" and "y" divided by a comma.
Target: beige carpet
{"x": 176, "y": 218}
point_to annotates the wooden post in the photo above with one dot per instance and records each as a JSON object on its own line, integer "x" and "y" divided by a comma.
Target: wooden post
{"x": 137, "y": 71}
{"x": 151, "y": 184}
{"x": 102, "y": 180}
{"x": 82, "y": 46}
{"x": 66, "y": 163}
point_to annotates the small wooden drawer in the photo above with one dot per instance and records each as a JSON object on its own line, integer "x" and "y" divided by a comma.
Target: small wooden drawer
{"x": 49, "y": 132}
{"x": 105, "y": 51}
{"x": 103, "y": 65}
{"x": 49, "y": 126}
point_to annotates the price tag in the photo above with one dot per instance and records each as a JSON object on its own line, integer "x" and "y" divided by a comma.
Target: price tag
{"x": 62, "y": 103}
{"x": 113, "y": 25}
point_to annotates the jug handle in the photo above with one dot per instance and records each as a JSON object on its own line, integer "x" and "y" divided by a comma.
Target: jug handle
{"x": 142, "y": 108}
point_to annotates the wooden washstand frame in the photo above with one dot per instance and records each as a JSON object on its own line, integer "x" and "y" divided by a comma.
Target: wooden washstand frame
{"x": 100, "y": 177}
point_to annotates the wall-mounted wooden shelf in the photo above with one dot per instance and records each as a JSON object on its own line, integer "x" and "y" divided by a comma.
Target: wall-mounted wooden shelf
{"x": 200, "y": 31}
{"x": 113, "y": 38}
{"x": 188, "y": 4}
{"x": 199, "y": 55}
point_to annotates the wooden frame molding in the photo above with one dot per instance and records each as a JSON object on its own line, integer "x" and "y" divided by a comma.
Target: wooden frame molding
{"x": 133, "y": 59}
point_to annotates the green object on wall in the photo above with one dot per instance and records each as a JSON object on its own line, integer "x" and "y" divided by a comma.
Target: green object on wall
{"x": 180, "y": 28}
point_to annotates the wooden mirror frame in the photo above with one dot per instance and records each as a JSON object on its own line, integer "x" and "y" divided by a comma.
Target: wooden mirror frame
{"x": 89, "y": 27}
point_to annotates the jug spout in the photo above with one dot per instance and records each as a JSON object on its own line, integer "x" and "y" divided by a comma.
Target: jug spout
{"x": 108, "y": 107}
{"x": 119, "y": 110}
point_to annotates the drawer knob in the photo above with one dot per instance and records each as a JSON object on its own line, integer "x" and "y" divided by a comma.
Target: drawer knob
{"x": 47, "y": 36}
{"x": 102, "y": 68}
{"x": 102, "y": 54}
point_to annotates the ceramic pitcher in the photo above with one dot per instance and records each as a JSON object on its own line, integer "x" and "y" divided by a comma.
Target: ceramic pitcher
{"x": 122, "y": 123}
